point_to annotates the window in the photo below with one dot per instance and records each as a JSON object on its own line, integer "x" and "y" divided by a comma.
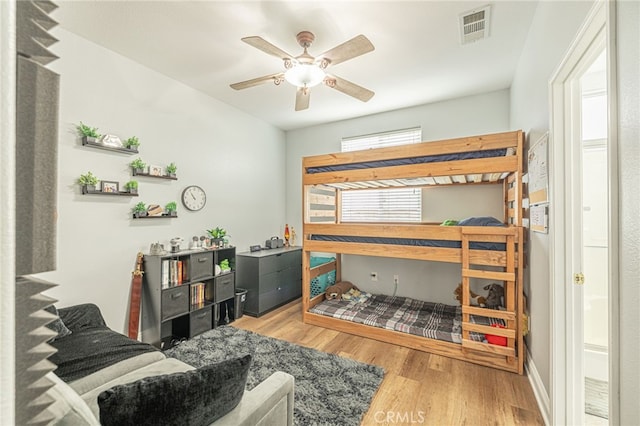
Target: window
{"x": 382, "y": 205}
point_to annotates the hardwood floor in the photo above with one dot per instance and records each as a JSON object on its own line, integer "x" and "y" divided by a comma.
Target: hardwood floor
{"x": 418, "y": 388}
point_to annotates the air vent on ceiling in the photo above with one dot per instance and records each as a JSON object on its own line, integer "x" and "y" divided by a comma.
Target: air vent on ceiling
{"x": 474, "y": 24}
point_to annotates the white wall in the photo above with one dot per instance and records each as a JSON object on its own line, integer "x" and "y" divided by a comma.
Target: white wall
{"x": 628, "y": 41}
{"x": 474, "y": 115}
{"x": 554, "y": 27}
{"x": 208, "y": 140}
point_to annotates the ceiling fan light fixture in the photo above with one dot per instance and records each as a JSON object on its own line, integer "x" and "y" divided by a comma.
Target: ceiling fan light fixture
{"x": 304, "y": 75}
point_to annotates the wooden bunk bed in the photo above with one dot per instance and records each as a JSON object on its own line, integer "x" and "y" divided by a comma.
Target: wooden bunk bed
{"x": 494, "y": 158}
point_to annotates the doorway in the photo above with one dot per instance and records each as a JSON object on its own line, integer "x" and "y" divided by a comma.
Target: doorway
{"x": 582, "y": 230}
{"x": 595, "y": 240}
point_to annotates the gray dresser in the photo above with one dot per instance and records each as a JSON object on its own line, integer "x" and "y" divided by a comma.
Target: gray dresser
{"x": 272, "y": 277}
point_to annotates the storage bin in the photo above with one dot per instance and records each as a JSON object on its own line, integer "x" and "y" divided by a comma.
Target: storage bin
{"x": 238, "y": 306}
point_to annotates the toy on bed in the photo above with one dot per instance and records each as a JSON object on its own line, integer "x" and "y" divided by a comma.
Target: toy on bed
{"x": 355, "y": 295}
{"x": 494, "y": 297}
{"x": 475, "y": 299}
{"x": 496, "y": 340}
{"x": 337, "y": 290}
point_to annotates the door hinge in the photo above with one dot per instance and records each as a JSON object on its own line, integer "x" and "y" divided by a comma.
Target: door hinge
{"x": 578, "y": 278}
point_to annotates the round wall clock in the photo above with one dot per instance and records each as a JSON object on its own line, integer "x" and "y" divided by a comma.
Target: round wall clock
{"x": 194, "y": 198}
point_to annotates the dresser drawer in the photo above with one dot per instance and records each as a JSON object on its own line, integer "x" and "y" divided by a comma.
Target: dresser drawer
{"x": 201, "y": 266}
{"x": 280, "y": 261}
{"x": 224, "y": 287}
{"x": 277, "y": 296}
{"x": 273, "y": 280}
{"x": 271, "y": 299}
{"x": 175, "y": 302}
{"x": 269, "y": 282}
{"x": 292, "y": 274}
{"x": 200, "y": 321}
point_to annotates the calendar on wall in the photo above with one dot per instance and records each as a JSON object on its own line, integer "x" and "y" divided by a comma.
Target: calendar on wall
{"x": 538, "y": 161}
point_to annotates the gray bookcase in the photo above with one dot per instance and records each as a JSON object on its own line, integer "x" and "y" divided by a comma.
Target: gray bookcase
{"x": 181, "y": 295}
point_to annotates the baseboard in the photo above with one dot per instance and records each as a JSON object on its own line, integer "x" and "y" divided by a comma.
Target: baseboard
{"x": 542, "y": 397}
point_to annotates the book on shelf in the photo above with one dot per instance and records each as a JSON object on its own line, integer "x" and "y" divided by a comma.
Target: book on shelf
{"x": 165, "y": 273}
{"x": 198, "y": 295}
{"x": 174, "y": 272}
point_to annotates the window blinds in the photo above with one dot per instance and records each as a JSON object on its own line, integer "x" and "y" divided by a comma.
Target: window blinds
{"x": 382, "y": 205}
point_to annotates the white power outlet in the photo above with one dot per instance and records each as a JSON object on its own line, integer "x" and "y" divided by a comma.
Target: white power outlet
{"x": 374, "y": 276}
{"x": 396, "y": 279}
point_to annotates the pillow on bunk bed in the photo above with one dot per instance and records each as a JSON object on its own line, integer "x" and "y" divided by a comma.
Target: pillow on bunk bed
{"x": 480, "y": 221}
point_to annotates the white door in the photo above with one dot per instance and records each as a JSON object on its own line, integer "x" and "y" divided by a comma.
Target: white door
{"x": 595, "y": 239}
{"x": 580, "y": 226}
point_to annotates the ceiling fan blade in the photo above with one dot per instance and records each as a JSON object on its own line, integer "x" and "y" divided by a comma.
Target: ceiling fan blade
{"x": 302, "y": 98}
{"x": 276, "y": 78}
{"x": 348, "y": 88}
{"x": 266, "y": 47}
{"x": 357, "y": 46}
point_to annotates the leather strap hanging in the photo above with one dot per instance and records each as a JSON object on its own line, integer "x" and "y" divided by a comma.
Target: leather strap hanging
{"x": 136, "y": 293}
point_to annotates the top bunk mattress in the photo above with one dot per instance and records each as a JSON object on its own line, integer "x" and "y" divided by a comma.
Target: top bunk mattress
{"x": 412, "y": 160}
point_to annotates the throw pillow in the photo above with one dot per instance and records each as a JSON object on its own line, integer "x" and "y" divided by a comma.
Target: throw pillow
{"x": 57, "y": 325}
{"x": 196, "y": 397}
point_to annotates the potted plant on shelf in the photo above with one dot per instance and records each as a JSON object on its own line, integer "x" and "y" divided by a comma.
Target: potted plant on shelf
{"x": 217, "y": 236}
{"x": 88, "y": 182}
{"x": 138, "y": 166}
{"x": 139, "y": 210}
{"x": 171, "y": 169}
{"x": 132, "y": 143}
{"x": 131, "y": 186}
{"x": 89, "y": 134}
{"x": 171, "y": 208}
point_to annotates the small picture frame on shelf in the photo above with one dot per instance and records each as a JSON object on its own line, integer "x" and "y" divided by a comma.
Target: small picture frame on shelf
{"x": 108, "y": 186}
{"x": 155, "y": 170}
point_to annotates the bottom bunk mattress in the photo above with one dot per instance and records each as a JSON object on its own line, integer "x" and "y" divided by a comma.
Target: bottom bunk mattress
{"x": 406, "y": 315}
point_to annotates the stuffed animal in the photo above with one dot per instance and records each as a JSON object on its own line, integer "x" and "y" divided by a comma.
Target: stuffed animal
{"x": 474, "y": 299}
{"x": 338, "y": 289}
{"x": 494, "y": 297}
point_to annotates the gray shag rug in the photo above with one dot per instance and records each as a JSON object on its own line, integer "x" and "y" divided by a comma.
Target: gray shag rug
{"x": 329, "y": 389}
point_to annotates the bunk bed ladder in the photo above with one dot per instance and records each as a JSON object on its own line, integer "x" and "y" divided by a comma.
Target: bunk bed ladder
{"x": 508, "y": 276}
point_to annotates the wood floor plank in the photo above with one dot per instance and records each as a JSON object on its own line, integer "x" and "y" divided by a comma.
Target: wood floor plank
{"x": 418, "y": 387}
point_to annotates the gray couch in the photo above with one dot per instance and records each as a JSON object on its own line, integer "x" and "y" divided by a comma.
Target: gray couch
{"x": 93, "y": 358}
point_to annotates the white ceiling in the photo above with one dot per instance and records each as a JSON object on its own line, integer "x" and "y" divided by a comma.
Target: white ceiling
{"x": 417, "y": 59}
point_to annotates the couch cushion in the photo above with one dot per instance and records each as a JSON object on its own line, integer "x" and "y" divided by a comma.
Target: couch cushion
{"x": 196, "y": 397}
{"x": 78, "y": 317}
{"x": 88, "y": 350}
{"x": 57, "y": 324}
{"x": 117, "y": 371}
{"x": 67, "y": 407}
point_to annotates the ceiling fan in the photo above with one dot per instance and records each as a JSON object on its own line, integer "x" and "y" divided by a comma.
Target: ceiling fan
{"x": 305, "y": 71}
